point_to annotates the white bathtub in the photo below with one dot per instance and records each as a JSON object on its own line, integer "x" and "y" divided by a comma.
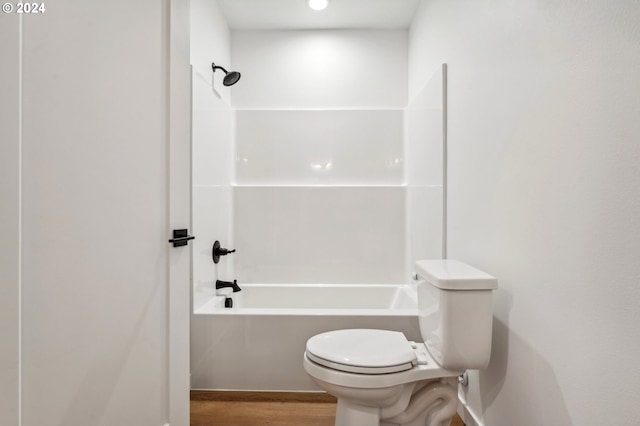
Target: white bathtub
{"x": 258, "y": 344}
{"x": 316, "y": 299}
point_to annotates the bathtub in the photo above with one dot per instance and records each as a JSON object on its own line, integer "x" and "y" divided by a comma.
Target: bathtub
{"x": 258, "y": 343}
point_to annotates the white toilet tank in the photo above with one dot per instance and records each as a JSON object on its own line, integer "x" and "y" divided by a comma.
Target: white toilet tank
{"x": 456, "y": 313}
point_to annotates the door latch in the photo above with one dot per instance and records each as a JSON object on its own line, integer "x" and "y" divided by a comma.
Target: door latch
{"x": 181, "y": 237}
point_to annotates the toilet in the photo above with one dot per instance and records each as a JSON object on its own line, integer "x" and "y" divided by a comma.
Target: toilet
{"x": 382, "y": 379}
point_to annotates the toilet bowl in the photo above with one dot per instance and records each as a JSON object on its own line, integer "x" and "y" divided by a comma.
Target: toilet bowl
{"x": 378, "y": 390}
{"x": 381, "y": 378}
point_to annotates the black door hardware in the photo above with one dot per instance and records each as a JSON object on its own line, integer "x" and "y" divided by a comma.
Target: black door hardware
{"x": 218, "y": 251}
{"x": 181, "y": 237}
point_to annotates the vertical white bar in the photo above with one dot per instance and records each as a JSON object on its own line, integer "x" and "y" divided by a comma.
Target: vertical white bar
{"x": 179, "y": 121}
{"x": 444, "y": 161}
{"x": 20, "y": 222}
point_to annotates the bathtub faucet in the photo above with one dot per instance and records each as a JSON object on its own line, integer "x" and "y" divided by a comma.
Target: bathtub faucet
{"x": 225, "y": 284}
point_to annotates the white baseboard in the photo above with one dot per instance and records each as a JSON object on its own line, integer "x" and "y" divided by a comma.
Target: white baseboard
{"x": 467, "y": 415}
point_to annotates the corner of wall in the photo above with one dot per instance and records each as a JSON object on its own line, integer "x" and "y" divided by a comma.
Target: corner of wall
{"x": 210, "y": 42}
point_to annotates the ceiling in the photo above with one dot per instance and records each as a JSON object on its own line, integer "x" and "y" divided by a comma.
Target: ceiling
{"x": 296, "y": 15}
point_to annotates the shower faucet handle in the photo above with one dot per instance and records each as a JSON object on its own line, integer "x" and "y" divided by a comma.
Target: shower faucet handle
{"x": 218, "y": 251}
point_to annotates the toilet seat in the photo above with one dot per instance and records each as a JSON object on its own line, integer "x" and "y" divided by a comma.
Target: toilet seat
{"x": 334, "y": 357}
{"x": 363, "y": 351}
{"x": 356, "y": 369}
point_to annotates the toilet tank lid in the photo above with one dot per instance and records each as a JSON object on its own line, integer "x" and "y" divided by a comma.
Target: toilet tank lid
{"x": 449, "y": 274}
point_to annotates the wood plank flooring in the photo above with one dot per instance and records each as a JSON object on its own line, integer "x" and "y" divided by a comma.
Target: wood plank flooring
{"x": 265, "y": 409}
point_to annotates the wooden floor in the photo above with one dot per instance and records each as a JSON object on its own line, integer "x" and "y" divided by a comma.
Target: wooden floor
{"x": 265, "y": 409}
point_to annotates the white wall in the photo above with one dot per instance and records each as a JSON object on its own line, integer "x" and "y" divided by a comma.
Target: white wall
{"x": 424, "y": 142}
{"x": 210, "y": 38}
{"x": 320, "y": 69}
{"x": 317, "y": 112}
{"x": 211, "y": 167}
{"x": 212, "y": 146}
{"x": 318, "y": 196}
{"x": 93, "y": 214}
{"x": 543, "y": 190}
{"x": 319, "y": 147}
{"x": 319, "y": 234}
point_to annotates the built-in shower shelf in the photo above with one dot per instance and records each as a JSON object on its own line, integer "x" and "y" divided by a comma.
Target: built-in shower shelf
{"x": 240, "y": 185}
{"x": 364, "y": 108}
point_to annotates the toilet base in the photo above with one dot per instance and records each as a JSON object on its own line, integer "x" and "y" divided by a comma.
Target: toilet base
{"x": 425, "y": 395}
{"x": 349, "y": 414}
{"x": 432, "y": 403}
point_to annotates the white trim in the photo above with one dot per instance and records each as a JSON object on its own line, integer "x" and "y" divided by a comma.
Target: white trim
{"x": 467, "y": 415}
{"x": 20, "y": 87}
{"x": 178, "y": 86}
{"x": 444, "y": 161}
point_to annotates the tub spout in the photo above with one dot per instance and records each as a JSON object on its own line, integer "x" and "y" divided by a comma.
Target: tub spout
{"x": 225, "y": 284}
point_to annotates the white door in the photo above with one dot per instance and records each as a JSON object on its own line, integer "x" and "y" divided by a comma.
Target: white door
{"x": 97, "y": 302}
{"x": 179, "y": 211}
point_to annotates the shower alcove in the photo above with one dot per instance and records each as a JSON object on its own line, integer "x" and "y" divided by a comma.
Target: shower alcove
{"x": 322, "y": 174}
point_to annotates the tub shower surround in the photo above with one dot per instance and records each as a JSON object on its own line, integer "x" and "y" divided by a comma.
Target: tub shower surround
{"x": 321, "y": 213}
{"x": 329, "y": 189}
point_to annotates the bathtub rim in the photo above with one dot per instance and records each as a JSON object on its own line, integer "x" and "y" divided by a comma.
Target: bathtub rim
{"x": 216, "y": 305}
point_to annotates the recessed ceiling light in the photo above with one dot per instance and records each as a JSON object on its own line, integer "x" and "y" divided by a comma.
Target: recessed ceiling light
{"x": 318, "y": 4}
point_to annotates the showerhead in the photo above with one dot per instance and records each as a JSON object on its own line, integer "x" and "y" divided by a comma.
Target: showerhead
{"x": 230, "y": 78}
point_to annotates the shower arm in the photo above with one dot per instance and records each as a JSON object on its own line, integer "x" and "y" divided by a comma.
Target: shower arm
{"x": 215, "y": 67}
